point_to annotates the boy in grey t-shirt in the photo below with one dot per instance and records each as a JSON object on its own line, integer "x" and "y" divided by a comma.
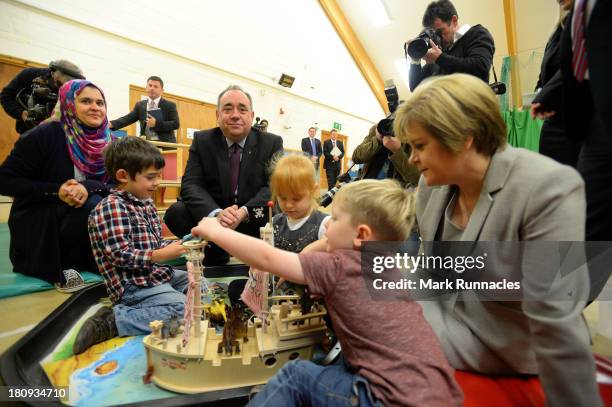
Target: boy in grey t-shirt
{"x": 392, "y": 356}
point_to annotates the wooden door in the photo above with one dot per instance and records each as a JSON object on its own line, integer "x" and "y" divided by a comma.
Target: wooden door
{"x": 326, "y": 135}
{"x": 9, "y": 68}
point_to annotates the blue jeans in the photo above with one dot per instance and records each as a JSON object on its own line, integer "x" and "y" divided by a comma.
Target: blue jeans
{"x": 303, "y": 383}
{"x": 140, "y": 306}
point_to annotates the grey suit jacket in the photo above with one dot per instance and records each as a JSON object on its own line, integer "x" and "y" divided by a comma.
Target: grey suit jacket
{"x": 525, "y": 196}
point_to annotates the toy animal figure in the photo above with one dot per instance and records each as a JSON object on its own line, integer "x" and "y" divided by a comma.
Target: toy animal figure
{"x": 234, "y": 329}
{"x": 216, "y": 311}
{"x": 171, "y": 327}
{"x": 305, "y": 301}
{"x": 316, "y": 307}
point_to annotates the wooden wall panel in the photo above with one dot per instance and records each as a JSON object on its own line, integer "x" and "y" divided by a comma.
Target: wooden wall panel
{"x": 193, "y": 113}
{"x": 9, "y": 68}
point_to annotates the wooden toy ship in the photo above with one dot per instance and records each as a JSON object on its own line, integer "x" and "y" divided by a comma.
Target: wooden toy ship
{"x": 190, "y": 357}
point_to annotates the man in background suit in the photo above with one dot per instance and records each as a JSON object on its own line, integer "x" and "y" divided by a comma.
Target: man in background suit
{"x": 332, "y": 163}
{"x": 582, "y": 88}
{"x": 153, "y": 129}
{"x": 311, "y": 147}
{"x": 227, "y": 173}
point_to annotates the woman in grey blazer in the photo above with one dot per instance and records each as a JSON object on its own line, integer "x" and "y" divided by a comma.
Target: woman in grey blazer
{"x": 475, "y": 187}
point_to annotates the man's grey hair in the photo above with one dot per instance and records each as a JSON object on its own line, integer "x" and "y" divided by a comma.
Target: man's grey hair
{"x": 234, "y": 87}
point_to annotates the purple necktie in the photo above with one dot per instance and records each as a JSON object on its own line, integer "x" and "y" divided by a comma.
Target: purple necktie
{"x": 579, "y": 57}
{"x": 234, "y": 159}
{"x": 312, "y": 143}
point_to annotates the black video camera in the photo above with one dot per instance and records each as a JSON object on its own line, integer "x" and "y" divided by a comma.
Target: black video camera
{"x": 40, "y": 100}
{"x": 418, "y": 47}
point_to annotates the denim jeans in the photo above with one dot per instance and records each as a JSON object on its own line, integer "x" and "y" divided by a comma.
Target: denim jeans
{"x": 303, "y": 383}
{"x": 140, "y": 306}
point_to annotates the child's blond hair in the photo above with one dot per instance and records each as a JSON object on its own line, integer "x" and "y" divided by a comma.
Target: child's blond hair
{"x": 383, "y": 205}
{"x": 294, "y": 175}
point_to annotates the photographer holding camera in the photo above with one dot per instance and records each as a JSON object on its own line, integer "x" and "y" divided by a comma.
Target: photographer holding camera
{"x": 32, "y": 95}
{"x": 447, "y": 48}
{"x": 385, "y": 156}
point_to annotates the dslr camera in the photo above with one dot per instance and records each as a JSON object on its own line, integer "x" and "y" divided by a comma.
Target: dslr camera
{"x": 385, "y": 126}
{"x": 418, "y": 47}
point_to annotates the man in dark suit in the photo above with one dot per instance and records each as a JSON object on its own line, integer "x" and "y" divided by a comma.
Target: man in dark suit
{"x": 582, "y": 88}
{"x": 311, "y": 147}
{"x": 155, "y": 126}
{"x": 332, "y": 163}
{"x": 227, "y": 173}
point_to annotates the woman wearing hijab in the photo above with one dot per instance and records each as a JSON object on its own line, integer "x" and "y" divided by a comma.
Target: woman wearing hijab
{"x": 55, "y": 173}
{"x": 474, "y": 187}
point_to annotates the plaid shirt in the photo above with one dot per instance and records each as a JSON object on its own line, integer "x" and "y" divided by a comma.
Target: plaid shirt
{"x": 124, "y": 231}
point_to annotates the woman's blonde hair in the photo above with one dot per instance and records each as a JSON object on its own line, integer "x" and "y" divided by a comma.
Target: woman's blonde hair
{"x": 452, "y": 108}
{"x": 294, "y": 175}
{"x": 383, "y": 205}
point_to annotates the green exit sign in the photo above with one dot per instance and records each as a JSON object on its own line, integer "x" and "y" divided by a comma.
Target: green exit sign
{"x": 337, "y": 126}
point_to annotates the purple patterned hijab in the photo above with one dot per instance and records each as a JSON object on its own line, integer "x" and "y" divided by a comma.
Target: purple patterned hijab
{"x": 85, "y": 144}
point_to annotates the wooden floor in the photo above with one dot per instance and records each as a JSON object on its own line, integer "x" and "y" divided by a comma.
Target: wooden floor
{"x": 23, "y": 312}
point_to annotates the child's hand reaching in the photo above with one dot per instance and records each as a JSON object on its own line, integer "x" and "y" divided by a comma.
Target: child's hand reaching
{"x": 206, "y": 228}
{"x": 172, "y": 251}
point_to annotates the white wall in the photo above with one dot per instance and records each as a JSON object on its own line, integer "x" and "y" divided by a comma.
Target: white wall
{"x": 198, "y": 48}
{"x": 535, "y": 23}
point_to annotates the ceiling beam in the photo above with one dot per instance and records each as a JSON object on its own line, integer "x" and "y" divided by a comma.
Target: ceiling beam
{"x": 515, "y": 81}
{"x": 353, "y": 45}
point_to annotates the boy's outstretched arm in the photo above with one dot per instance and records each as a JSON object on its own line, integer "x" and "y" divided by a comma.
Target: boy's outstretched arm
{"x": 254, "y": 252}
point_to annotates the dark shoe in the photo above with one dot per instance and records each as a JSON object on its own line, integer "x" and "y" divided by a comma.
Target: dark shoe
{"x": 98, "y": 328}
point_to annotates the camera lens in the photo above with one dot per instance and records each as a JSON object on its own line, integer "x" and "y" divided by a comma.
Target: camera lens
{"x": 418, "y": 47}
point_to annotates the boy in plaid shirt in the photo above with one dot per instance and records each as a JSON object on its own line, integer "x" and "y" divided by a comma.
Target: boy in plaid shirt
{"x": 125, "y": 234}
